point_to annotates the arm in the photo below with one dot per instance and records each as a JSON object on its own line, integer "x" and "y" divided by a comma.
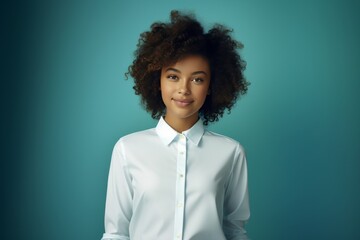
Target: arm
{"x": 236, "y": 203}
{"x": 118, "y": 209}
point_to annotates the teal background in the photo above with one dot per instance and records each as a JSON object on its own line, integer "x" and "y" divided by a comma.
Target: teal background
{"x": 69, "y": 103}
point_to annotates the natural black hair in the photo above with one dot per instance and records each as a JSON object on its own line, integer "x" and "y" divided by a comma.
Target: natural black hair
{"x": 166, "y": 43}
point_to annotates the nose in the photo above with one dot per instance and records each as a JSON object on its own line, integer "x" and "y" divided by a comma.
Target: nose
{"x": 184, "y": 87}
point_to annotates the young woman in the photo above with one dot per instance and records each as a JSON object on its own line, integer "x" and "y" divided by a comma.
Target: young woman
{"x": 179, "y": 180}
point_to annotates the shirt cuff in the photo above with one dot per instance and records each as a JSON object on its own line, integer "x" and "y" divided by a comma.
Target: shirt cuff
{"x": 109, "y": 236}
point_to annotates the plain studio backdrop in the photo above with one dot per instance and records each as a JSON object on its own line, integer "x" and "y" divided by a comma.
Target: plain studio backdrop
{"x": 68, "y": 103}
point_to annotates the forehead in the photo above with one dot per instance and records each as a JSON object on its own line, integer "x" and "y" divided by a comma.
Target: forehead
{"x": 190, "y": 62}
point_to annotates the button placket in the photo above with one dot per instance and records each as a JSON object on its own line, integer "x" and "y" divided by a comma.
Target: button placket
{"x": 180, "y": 187}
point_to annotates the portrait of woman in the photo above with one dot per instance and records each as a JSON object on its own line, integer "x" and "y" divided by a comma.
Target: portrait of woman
{"x": 179, "y": 180}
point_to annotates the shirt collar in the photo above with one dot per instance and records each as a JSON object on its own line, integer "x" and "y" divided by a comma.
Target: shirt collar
{"x": 167, "y": 134}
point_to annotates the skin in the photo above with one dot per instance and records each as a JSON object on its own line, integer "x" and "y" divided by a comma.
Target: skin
{"x": 184, "y": 87}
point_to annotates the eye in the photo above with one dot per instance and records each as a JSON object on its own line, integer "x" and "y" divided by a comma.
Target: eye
{"x": 173, "y": 77}
{"x": 198, "y": 80}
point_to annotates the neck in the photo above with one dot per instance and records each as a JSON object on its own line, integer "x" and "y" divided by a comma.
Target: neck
{"x": 181, "y": 125}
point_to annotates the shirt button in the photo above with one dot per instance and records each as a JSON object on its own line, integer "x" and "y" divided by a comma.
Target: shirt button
{"x": 180, "y": 205}
{"x": 181, "y": 175}
{"x": 181, "y": 153}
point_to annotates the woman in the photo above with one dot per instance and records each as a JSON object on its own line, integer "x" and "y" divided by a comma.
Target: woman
{"x": 179, "y": 180}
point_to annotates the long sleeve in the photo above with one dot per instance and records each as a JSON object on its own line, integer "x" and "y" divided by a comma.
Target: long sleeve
{"x": 236, "y": 202}
{"x": 118, "y": 208}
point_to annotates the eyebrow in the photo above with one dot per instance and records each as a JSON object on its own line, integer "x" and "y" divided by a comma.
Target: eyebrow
{"x": 178, "y": 71}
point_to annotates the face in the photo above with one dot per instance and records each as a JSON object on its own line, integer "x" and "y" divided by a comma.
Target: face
{"x": 184, "y": 87}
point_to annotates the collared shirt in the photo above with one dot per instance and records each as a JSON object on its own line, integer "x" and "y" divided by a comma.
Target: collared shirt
{"x": 165, "y": 185}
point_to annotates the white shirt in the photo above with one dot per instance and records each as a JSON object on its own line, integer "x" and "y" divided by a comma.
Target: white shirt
{"x": 165, "y": 185}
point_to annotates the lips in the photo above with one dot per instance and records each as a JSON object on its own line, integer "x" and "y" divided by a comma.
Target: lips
{"x": 182, "y": 102}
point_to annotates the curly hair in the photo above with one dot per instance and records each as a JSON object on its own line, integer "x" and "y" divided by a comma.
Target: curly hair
{"x": 166, "y": 43}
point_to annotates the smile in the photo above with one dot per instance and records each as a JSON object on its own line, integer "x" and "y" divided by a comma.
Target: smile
{"x": 182, "y": 102}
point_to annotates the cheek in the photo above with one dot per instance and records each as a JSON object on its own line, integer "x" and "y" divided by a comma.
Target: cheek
{"x": 164, "y": 85}
{"x": 165, "y": 92}
{"x": 202, "y": 93}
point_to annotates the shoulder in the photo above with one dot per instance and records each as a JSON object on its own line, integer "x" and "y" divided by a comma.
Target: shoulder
{"x": 224, "y": 141}
{"x": 222, "y": 138}
{"x": 135, "y": 138}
